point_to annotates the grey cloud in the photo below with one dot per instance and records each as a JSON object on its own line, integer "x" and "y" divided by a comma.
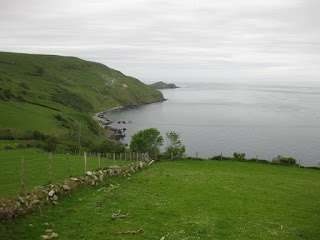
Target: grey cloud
{"x": 229, "y": 40}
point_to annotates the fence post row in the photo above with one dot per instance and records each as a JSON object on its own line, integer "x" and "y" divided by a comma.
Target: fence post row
{"x": 98, "y": 160}
{"x": 50, "y": 167}
{"x": 85, "y": 163}
{"x": 68, "y": 159}
{"x": 22, "y": 175}
{"x": 106, "y": 155}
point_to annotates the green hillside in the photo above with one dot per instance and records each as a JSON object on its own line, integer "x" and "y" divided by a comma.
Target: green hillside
{"x": 41, "y": 92}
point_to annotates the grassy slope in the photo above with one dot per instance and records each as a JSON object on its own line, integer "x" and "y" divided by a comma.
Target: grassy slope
{"x": 70, "y": 85}
{"x": 189, "y": 199}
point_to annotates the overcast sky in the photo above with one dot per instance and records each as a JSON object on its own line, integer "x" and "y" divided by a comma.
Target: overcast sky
{"x": 174, "y": 41}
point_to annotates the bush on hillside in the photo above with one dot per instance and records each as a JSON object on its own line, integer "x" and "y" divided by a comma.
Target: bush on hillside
{"x": 219, "y": 157}
{"x": 35, "y": 135}
{"x": 174, "y": 145}
{"x": 108, "y": 146}
{"x": 10, "y": 134}
{"x": 284, "y": 160}
{"x": 239, "y": 156}
{"x": 50, "y": 144}
{"x": 147, "y": 141}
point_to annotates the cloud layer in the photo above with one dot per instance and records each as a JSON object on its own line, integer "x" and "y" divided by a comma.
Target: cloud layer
{"x": 190, "y": 40}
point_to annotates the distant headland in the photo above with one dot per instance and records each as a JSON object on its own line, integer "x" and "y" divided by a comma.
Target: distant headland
{"x": 162, "y": 85}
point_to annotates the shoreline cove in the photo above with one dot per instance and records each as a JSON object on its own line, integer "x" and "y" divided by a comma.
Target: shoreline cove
{"x": 104, "y": 122}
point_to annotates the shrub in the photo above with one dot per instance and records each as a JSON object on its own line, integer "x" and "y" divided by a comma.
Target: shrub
{"x": 147, "y": 141}
{"x": 239, "y": 156}
{"x": 174, "y": 145}
{"x": 61, "y": 148}
{"x": 8, "y": 148}
{"x": 219, "y": 157}
{"x": 284, "y": 160}
{"x": 21, "y": 146}
{"x": 10, "y": 134}
{"x": 50, "y": 144}
{"x": 110, "y": 146}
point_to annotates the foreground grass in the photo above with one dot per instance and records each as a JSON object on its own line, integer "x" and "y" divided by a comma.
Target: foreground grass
{"x": 188, "y": 199}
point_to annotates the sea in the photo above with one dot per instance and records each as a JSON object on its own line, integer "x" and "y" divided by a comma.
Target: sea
{"x": 260, "y": 120}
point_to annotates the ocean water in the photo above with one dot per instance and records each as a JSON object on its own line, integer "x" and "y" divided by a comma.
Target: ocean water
{"x": 263, "y": 120}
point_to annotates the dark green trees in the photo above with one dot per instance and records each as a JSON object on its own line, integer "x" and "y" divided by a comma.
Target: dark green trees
{"x": 147, "y": 141}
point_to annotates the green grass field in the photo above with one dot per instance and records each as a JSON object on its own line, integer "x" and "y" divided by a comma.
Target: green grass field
{"x": 37, "y": 168}
{"x": 188, "y": 199}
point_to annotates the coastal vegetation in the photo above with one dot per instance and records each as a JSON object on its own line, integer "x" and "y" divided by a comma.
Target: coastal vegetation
{"x": 148, "y": 140}
{"x": 174, "y": 148}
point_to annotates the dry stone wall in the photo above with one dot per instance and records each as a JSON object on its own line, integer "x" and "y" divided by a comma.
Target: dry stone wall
{"x": 40, "y": 196}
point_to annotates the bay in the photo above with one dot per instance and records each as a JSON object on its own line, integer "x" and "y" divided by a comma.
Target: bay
{"x": 263, "y": 120}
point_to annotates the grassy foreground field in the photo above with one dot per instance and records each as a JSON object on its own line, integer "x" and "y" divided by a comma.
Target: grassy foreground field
{"x": 36, "y": 170}
{"x": 188, "y": 200}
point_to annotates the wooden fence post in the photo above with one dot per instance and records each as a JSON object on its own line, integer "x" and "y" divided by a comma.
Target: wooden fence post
{"x": 156, "y": 157}
{"x": 69, "y": 170}
{"x": 130, "y": 156}
{"x": 137, "y": 157}
{"x": 98, "y": 160}
{"x": 196, "y": 154}
{"x": 299, "y": 163}
{"x": 22, "y": 175}
{"x": 171, "y": 155}
{"x": 221, "y": 157}
{"x": 85, "y": 163}
{"x": 125, "y": 158}
{"x": 114, "y": 158}
{"x": 50, "y": 167}
{"x": 257, "y": 158}
{"x": 278, "y": 159}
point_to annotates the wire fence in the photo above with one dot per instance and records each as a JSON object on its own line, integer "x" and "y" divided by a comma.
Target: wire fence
{"x": 22, "y": 171}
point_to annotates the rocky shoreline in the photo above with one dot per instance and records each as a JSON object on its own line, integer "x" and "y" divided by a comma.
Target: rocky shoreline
{"x": 117, "y": 133}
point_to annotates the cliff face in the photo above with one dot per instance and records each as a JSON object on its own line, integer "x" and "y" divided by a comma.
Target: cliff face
{"x": 162, "y": 85}
{"x": 34, "y": 87}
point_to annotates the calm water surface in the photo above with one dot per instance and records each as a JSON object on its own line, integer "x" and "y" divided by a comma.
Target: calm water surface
{"x": 262, "y": 120}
